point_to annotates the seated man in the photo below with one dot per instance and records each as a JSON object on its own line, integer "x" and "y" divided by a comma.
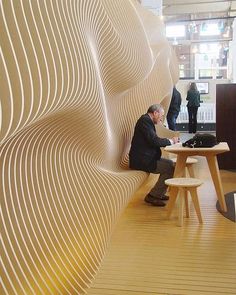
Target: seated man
{"x": 145, "y": 153}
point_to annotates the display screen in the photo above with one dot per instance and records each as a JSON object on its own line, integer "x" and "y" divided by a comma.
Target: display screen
{"x": 202, "y": 87}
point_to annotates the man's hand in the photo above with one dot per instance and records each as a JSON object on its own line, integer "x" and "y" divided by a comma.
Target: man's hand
{"x": 175, "y": 139}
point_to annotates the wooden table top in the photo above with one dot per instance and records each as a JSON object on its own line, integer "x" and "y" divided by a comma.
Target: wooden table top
{"x": 178, "y": 148}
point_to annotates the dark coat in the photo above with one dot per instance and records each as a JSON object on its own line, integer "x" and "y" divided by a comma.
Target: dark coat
{"x": 175, "y": 102}
{"x": 145, "y": 146}
{"x": 193, "y": 98}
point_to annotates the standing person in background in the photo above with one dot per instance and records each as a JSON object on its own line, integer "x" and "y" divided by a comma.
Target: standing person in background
{"x": 193, "y": 98}
{"x": 174, "y": 109}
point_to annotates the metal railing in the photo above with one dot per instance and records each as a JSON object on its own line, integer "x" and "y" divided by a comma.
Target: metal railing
{"x": 206, "y": 114}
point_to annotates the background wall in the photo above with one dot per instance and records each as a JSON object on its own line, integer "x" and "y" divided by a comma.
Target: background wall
{"x": 207, "y": 111}
{"x": 183, "y": 86}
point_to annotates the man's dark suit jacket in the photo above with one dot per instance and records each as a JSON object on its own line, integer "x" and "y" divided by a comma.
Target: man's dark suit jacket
{"x": 145, "y": 146}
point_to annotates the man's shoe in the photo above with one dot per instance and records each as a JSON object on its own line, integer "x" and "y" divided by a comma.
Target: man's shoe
{"x": 158, "y": 203}
{"x": 154, "y": 201}
{"x": 164, "y": 198}
{"x": 149, "y": 198}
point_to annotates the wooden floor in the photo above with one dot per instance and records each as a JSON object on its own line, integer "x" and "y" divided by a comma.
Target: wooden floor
{"x": 149, "y": 254}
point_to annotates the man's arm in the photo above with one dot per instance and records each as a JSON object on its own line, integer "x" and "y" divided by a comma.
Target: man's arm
{"x": 149, "y": 133}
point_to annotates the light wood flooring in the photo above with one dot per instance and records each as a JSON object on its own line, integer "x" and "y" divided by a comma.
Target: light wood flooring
{"x": 149, "y": 254}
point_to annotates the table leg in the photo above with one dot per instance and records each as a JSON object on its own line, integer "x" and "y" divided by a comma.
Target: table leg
{"x": 191, "y": 170}
{"x": 215, "y": 174}
{"x": 180, "y": 165}
{"x": 179, "y": 172}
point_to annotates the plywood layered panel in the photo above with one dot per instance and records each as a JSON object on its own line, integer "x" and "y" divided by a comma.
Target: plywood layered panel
{"x": 75, "y": 76}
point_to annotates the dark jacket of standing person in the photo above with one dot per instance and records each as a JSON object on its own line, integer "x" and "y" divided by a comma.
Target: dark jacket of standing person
{"x": 193, "y": 98}
{"x": 174, "y": 109}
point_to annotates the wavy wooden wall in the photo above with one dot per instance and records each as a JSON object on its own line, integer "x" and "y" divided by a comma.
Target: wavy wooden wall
{"x": 75, "y": 76}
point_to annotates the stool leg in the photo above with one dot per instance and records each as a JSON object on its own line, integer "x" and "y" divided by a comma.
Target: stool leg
{"x": 181, "y": 206}
{"x": 186, "y": 203}
{"x": 172, "y": 200}
{"x": 193, "y": 192}
{"x": 186, "y": 194}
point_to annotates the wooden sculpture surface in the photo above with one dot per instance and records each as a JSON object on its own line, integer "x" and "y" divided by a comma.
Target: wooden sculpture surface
{"x": 75, "y": 76}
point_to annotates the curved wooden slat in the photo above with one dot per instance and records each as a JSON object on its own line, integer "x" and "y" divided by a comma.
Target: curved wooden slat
{"x": 75, "y": 77}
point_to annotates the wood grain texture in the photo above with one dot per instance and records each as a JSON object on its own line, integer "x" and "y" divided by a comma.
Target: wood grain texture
{"x": 75, "y": 76}
{"x": 149, "y": 254}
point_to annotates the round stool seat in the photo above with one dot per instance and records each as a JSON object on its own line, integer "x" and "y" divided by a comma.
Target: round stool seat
{"x": 179, "y": 187}
{"x": 183, "y": 182}
{"x": 188, "y": 161}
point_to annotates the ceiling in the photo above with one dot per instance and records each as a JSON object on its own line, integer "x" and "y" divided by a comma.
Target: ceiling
{"x": 180, "y": 10}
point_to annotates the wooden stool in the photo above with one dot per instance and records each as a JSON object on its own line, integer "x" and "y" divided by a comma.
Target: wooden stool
{"x": 188, "y": 168}
{"x": 189, "y": 165}
{"x": 181, "y": 186}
